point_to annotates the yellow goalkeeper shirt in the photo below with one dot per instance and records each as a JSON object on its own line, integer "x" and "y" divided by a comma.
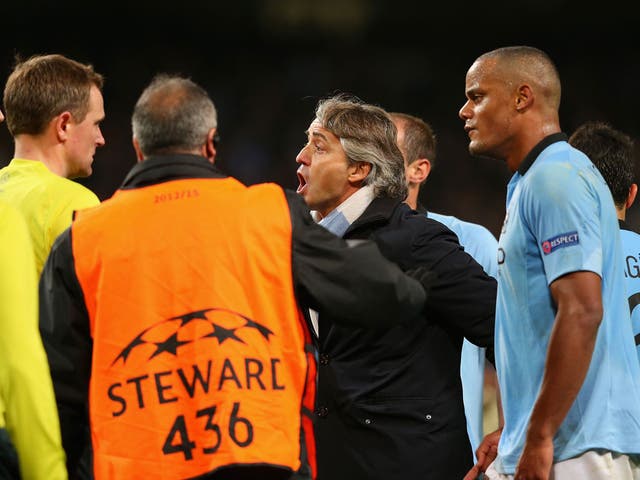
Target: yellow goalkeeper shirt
{"x": 46, "y": 201}
{"x": 27, "y": 402}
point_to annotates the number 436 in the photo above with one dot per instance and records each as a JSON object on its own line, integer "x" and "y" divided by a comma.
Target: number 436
{"x": 178, "y": 439}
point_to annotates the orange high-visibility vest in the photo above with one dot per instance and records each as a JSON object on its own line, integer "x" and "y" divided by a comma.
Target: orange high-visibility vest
{"x": 201, "y": 358}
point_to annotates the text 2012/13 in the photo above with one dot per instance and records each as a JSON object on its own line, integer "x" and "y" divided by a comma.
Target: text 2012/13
{"x": 177, "y": 195}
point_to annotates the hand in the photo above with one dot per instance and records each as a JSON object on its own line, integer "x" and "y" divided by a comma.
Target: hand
{"x": 536, "y": 460}
{"x": 486, "y": 454}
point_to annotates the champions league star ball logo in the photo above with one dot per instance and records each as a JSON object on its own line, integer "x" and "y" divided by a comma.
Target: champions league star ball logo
{"x": 217, "y": 383}
{"x": 167, "y": 336}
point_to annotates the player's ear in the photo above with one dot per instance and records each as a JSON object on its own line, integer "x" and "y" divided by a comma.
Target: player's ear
{"x": 524, "y": 98}
{"x": 633, "y": 191}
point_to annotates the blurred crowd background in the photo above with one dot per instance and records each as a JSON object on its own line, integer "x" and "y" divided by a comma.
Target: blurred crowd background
{"x": 266, "y": 63}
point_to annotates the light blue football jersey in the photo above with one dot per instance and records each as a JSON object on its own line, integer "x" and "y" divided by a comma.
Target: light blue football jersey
{"x": 480, "y": 243}
{"x": 631, "y": 250}
{"x": 561, "y": 219}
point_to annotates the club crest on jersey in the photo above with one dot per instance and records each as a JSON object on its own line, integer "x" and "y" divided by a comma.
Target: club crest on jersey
{"x": 560, "y": 241}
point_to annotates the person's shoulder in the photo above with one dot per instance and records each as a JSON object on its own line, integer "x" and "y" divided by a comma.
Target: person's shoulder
{"x": 553, "y": 176}
{"x": 77, "y": 192}
{"x": 281, "y": 199}
{"x": 469, "y": 233}
{"x": 9, "y": 213}
{"x": 629, "y": 234}
{"x": 446, "y": 219}
{"x": 457, "y": 224}
{"x": 25, "y": 177}
{"x": 423, "y": 228}
{"x": 408, "y": 216}
{"x": 260, "y": 192}
{"x": 559, "y": 161}
{"x": 64, "y": 196}
{"x": 477, "y": 230}
{"x": 563, "y": 177}
{"x": 267, "y": 187}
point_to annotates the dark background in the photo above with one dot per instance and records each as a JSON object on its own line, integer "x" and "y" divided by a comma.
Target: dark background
{"x": 267, "y": 63}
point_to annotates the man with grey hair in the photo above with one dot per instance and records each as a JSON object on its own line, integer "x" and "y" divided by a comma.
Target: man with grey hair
{"x": 389, "y": 403}
{"x": 173, "y": 309}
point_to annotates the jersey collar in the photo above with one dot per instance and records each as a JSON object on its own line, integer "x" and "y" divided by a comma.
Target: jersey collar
{"x": 164, "y": 168}
{"x": 537, "y": 150}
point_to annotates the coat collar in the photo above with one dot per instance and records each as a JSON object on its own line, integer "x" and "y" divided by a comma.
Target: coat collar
{"x": 377, "y": 214}
{"x": 164, "y": 168}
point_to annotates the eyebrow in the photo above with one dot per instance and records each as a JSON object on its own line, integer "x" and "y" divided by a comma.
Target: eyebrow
{"x": 317, "y": 134}
{"x": 473, "y": 89}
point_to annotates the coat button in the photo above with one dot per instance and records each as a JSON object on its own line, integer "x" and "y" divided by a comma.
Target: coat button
{"x": 322, "y": 412}
{"x": 324, "y": 359}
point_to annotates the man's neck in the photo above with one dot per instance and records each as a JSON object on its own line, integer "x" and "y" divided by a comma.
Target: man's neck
{"x": 412, "y": 196}
{"x": 339, "y": 219}
{"x": 30, "y": 149}
{"x": 622, "y": 213}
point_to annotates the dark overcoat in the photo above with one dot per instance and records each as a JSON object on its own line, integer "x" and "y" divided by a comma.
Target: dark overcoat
{"x": 390, "y": 401}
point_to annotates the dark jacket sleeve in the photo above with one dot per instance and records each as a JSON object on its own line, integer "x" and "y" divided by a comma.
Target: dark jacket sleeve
{"x": 462, "y": 295}
{"x": 64, "y": 327}
{"x": 353, "y": 283}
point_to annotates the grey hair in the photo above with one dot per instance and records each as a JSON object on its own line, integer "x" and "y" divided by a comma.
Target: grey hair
{"x": 367, "y": 134}
{"x": 172, "y": 115}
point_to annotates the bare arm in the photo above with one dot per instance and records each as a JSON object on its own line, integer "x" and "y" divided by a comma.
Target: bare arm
{"x": 578, "y": 299}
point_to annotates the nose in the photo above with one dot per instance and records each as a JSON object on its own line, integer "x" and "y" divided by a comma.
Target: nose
{"x": 302, "y": 157}
{"x": 464, "y": 113}
{"x": 1, "y": 116}
{"x": 100, "y": 140}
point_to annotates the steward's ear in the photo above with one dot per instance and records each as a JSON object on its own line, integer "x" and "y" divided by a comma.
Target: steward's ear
{"x": 136, "y": 147}
{"x": 209, "y": 148}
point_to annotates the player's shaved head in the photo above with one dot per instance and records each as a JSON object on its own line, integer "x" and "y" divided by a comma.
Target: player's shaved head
{"x": 524, "y": 64}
